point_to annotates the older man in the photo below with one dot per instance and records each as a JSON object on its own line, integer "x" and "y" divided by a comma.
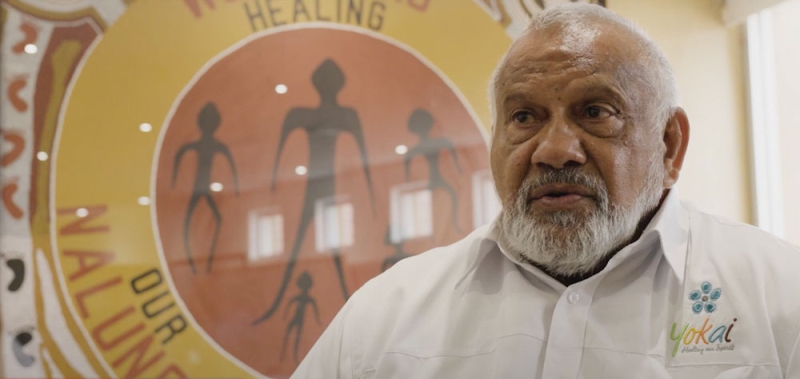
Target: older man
{"x": 594, "y": 269}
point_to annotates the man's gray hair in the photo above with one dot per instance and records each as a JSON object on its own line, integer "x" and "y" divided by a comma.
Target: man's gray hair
{"x": 652, "y": 76}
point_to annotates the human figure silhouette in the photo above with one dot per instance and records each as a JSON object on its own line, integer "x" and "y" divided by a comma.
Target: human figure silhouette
{"x": 399, "y": 253}
{"x": 303, "y": 301}
{"x": 208, "y": 120}
{"x": 420, "y": 123}
{"x": 323, "y": 126}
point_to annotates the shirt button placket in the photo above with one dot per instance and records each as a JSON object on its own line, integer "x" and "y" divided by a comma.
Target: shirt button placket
{"x": 573, "y": 297}
{"x": 565, "y": 340}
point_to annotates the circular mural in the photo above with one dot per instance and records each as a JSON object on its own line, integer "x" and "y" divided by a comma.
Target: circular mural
{"x": 277, "y": 172}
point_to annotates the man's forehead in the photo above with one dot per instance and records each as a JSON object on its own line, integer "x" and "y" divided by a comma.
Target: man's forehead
{"x": 553, "y": 50}
{"x": 542, "y": 61}
{"x": 545, "y": 58}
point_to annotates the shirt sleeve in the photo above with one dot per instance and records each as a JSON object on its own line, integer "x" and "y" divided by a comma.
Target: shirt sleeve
{"x": 328, "y": 358}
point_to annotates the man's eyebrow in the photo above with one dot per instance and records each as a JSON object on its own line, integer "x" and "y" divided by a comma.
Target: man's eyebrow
{"x": 604, "y": 90}
{"x": 515, "y": 96}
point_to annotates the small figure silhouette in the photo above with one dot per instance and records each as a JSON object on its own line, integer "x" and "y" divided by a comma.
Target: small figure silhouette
{"x": 420, "y": 123}
{"x": 208, "y": 120}
{"x": 303, "y": 301}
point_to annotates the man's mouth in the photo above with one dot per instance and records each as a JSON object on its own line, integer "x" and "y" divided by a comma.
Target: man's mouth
{"x": 560, "y": 196}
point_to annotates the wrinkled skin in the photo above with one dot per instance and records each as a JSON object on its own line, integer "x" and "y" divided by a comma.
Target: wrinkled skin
{"x": 567, "y": 104}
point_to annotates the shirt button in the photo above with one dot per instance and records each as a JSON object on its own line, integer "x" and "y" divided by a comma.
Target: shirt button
{"x": 573, "y": 297}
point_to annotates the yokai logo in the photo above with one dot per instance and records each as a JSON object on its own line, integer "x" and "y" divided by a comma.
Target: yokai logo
{"x": 706, "y": 336}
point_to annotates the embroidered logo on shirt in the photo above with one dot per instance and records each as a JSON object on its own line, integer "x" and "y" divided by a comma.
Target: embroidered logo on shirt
{"x": 705, "y": 299}
{"x": 705, "y": 337}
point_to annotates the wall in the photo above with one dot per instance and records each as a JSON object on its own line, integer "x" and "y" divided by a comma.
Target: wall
{"x": 787, "y": 58}
{"x": 709, "y": 61}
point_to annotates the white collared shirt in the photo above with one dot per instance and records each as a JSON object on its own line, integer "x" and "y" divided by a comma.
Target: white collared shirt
{"x": 696, "y": 296}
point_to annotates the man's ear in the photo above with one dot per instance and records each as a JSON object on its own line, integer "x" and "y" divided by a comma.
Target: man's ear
{"x": 676, "y": 140}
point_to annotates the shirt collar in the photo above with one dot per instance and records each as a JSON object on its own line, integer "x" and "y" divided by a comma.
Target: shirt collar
{"x": 671, "y": 223}
{"x": 487, "y": 243}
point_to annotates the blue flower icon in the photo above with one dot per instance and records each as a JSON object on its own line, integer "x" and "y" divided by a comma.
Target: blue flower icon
{"x": 705, "y": 298}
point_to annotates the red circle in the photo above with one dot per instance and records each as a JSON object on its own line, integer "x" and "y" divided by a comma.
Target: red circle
{"x": 383, "y": 85}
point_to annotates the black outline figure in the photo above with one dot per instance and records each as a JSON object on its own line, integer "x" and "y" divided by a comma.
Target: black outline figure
{"x": 399, "y": 253}
{"x": 20, "y": 340}
{"x": 17, "y": 267}
{"x": 208, "y": 120}
{"x": 420, "y": 123}
{"x": 305, "y": 283}
{"x": 323, "y": 126}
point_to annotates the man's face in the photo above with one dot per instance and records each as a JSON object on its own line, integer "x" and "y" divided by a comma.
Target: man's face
{"x": 571, "y": 134}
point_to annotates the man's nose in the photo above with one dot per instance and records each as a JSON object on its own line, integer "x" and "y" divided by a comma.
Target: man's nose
{"x": 558, "y": 146}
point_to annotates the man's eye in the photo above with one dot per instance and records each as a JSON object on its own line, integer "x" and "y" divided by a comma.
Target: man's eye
{"x": 597, "y": 112}
{"x": 522, "y": 117}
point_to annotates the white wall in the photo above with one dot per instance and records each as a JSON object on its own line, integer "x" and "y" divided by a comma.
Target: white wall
{"x": 708, "y": 58}
{"x": 786, "y": 35}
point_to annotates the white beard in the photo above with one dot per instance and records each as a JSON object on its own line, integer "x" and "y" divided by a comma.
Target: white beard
{"x": 588, "y": 239}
